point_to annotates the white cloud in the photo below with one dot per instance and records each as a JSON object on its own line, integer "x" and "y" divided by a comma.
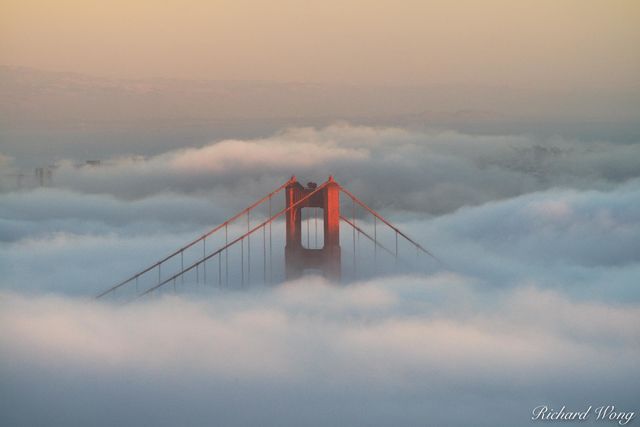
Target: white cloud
{"x": 313, "y": 339}
{"x": 541, "y": 304}
{"x": 272, "y": 153}
{"x": 424, "y": 171}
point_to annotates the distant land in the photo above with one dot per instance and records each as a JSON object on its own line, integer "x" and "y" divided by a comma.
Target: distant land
{"x": 45, "y": 115}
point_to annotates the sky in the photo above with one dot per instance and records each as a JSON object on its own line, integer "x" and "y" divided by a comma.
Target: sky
{"x": 503, "y": 136}
{"x": 89, "y": 80}
{"x": 537, "y": 45}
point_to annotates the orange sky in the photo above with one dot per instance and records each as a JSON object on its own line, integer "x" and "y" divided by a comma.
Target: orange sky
{"x": 536, "y": 44}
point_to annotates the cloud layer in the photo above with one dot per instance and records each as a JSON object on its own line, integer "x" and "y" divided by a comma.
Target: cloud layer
{"x": 404, "y": 351}
{"x": 433, "y": 172}
{"x": 537, "y": 302}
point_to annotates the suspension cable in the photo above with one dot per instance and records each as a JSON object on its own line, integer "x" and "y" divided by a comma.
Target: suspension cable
{"x": 394, "y": 228}
{"x": 238, "y": 239}
{"x": 214, "y": 230}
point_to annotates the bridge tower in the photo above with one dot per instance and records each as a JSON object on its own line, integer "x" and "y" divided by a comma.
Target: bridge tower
{"x": 297, "y": 257}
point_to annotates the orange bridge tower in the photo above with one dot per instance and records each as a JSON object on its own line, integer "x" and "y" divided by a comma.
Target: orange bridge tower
{"x": 327, "y": 258}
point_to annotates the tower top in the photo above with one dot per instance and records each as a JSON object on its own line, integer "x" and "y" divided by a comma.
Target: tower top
{"x": 324, "y": 258}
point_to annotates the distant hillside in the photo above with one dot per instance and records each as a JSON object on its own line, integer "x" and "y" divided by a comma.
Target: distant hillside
{"x": 30, "y": 97}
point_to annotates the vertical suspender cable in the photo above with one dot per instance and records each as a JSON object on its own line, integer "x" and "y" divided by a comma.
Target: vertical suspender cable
{"x": 396, "y": 249}
{"x": 242, "y": 262}
{"x": 226, "y": 255}
{"x": 353, "y": 214}
{"x": 375, "y": 243}
{"x": 270, "y": 246}
{"x": 248, "y": 249}
{"x": 308, "y": 220}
